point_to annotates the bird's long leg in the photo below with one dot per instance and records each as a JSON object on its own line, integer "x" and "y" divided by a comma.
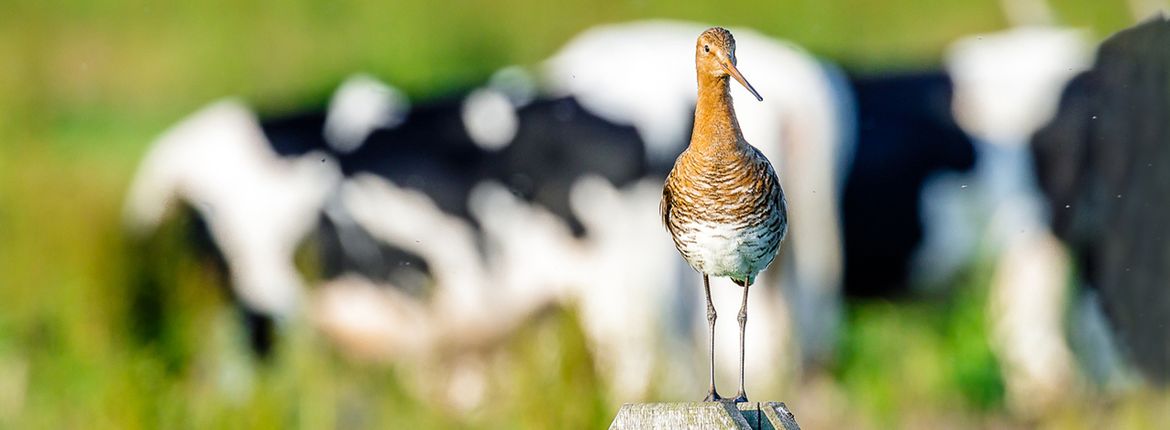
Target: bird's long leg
{"x": 742, "y": 396}
{"x": 712, "y": 395}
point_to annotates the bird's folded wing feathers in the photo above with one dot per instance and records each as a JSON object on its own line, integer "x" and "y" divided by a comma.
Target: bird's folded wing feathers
{"x": 664, "y": 207}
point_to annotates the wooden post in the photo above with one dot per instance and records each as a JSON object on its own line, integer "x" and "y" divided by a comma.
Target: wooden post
{"x": 705, "y": 415}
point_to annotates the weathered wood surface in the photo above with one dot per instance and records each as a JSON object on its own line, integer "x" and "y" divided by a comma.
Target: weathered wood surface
{"x": 705, "y": 415}
{"x": 768, "y": 416}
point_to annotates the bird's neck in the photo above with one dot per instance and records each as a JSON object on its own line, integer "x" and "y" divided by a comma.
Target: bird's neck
{"x": 716, "y": 128}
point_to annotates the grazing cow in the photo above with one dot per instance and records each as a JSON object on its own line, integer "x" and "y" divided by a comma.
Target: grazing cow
{"x": 262, "y": 185}
{"x": 498, "y": 207}
{"x": 1100, "y": 163}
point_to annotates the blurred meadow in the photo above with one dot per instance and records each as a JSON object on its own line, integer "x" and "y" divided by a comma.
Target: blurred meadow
{"x": 85, "y": 87}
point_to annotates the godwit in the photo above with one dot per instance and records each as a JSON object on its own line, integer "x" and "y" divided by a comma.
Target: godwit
{"x": 722, "y": 202}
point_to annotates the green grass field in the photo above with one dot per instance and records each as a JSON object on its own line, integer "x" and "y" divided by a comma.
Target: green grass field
{"x": 85, "y": 86}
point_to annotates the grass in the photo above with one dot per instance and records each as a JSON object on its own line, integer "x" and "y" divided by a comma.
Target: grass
{"x": 99, "y": 332}
{"x": 894, "y": 358}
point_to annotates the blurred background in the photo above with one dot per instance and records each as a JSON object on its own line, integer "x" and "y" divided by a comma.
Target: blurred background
{"x": 364, "y": 214}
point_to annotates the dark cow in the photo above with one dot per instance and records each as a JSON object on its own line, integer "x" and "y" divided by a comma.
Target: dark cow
{"x": 1102, "y": 166}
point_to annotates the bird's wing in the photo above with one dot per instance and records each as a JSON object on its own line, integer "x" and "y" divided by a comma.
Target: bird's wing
{"x": 776, "y": 194}
{"x": 664, "y": 206}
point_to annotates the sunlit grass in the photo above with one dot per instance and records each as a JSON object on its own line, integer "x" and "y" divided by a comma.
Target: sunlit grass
{"x": 897, "y": 357}
{"x": 99, "y": 330}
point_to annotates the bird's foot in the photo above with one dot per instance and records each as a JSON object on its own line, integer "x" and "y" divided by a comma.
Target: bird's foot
{"x": 713, "y": 396}
{"x": 741, "y": 397}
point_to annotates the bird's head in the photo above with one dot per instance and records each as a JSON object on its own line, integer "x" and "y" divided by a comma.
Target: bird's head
{"x": 715, "y": 56}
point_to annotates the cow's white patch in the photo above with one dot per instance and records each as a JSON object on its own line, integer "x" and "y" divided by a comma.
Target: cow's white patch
{"x": 490, "y": 118}
{"x": 361, "y": 105}
{"x": 1008, "y": 84}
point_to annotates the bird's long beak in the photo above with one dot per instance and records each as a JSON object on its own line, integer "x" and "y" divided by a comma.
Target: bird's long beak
{"x": 730, "y": 66}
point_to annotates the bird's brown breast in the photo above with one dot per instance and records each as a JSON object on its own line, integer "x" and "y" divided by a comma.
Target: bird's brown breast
{"x": 725, "y": 212}
{"x": 737, "y": 187}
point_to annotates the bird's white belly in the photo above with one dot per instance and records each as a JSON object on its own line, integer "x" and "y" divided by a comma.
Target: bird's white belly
{"x": 723, "y": 250}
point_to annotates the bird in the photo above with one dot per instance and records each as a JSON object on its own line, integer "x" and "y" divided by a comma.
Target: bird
{"x": 722, "y": 202}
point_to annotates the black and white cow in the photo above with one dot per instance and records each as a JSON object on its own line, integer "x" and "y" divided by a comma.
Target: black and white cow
{"x": 483, "y": 208}
{"x": 247, "y": 176}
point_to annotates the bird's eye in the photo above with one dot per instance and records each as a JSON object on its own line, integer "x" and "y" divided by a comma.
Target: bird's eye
{"x": 706, "y": 48}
